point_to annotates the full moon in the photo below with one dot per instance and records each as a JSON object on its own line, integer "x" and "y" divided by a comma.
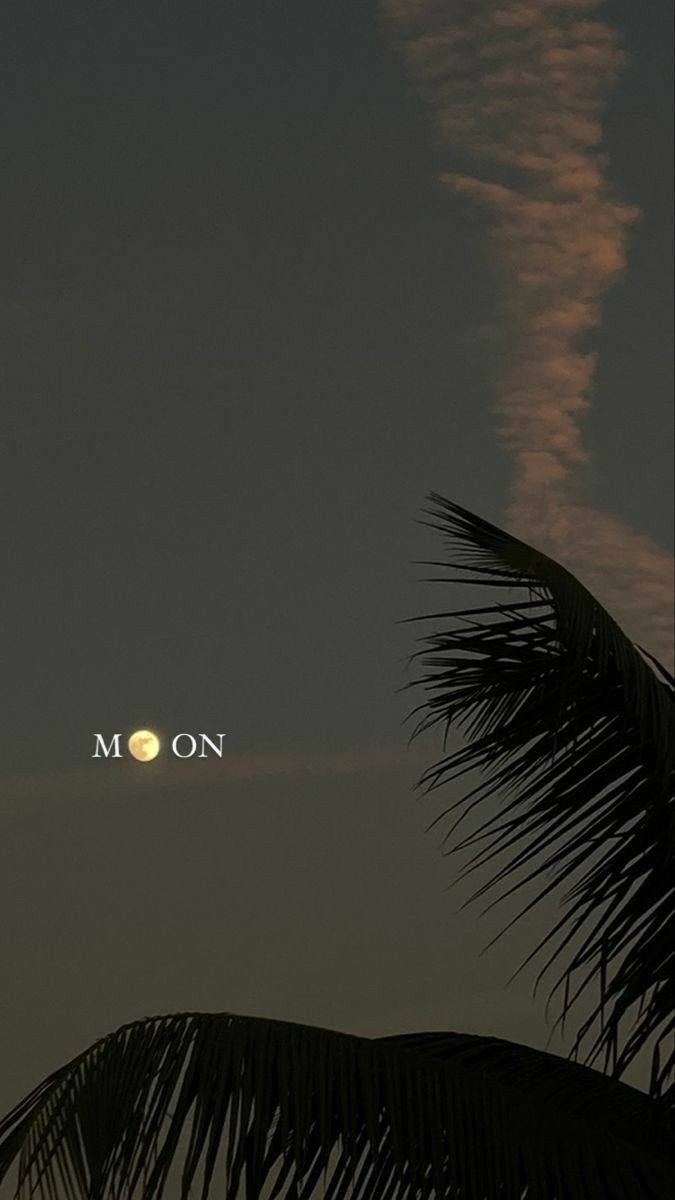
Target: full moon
{"x": 144, "y": 745}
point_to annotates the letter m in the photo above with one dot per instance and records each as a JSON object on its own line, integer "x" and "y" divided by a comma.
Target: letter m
{"x": 107, "y": 750}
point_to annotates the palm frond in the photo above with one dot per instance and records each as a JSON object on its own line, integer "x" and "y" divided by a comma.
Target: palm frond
{"x": 574, "y": 729}
{"x": 257, "y": 1103}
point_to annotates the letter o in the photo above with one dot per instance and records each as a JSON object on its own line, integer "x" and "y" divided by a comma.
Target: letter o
{"x": 175, "y": 750}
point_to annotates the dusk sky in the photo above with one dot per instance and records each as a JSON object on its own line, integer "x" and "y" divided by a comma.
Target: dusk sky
{"x": 271, "y": 273}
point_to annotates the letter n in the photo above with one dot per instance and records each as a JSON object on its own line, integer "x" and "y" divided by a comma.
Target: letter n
{"x": 216, "y": 749}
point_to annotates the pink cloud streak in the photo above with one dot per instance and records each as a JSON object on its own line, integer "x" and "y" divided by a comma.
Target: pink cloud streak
{"x": 519, "y": 88}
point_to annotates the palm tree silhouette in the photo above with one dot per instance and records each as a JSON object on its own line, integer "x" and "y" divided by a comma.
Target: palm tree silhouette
{"x": 571, "y": 725}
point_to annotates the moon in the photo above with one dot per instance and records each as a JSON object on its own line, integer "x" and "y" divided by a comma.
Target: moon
{"x": 144, "y": 745}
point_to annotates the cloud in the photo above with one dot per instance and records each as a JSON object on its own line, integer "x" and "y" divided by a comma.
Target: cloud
{"x": 518, "y": 88}
{"x": 110, "y": 777}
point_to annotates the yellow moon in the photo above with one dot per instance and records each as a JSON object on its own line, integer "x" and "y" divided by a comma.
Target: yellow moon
{"x": 144, "y": 745}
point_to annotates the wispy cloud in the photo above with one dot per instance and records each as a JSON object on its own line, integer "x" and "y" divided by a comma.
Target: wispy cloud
{"x": 110, "y": 777}
{"x": 518, "y": 87}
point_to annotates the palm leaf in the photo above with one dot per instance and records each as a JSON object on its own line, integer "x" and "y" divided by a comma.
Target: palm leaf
{"x": 257, "y": 1103}
{"x": 574, "y": 728}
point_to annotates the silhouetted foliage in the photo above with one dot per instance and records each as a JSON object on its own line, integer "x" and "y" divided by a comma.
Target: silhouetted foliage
{"x": 566, "y": 720}
{"x": 573, "y": 729}
{"x": 420, "y": 1115}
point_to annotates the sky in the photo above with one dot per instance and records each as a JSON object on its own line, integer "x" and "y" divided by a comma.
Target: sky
{"x": 270, "y": 278}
